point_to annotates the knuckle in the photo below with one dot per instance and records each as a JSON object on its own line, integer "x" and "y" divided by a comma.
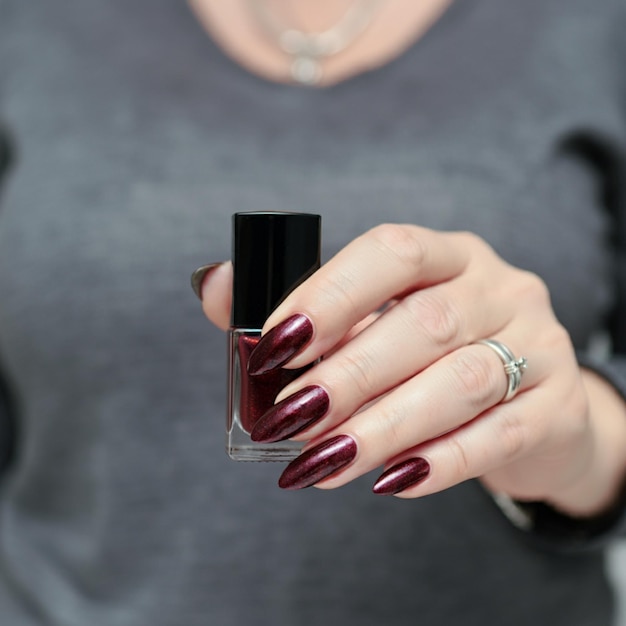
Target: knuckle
{"x": 475, "y": 378}
{"x": 558, "y": 338}
{"x": 512, "y": 433}
{"x": 438, "y": 317}
{"x": 532, "y": 288}
{"x": 361, "y": 371}
{"x": 403, "y": 242}
{"x": 392, "y": 422}
{"x": 460, "y": 458}
{"x": 472, "y": 241}
{"x": 337, "y": 293}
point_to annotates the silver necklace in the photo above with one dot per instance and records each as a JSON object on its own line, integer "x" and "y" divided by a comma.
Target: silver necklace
{"x": 308, "y": 50}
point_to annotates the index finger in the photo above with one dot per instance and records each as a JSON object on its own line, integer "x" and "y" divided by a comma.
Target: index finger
{"x": 382, "y": 264}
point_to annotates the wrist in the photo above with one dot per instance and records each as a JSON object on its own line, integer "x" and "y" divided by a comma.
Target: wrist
{"x": 600, "y": 481}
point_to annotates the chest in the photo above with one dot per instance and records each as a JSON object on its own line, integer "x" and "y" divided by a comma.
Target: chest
{"x": 128, "y": 177}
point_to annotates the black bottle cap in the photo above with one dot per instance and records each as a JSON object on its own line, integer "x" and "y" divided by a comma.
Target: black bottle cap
{"x": 273, "y": 252}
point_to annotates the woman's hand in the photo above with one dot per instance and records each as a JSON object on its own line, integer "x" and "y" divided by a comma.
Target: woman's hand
{"x": 396, "y": 315}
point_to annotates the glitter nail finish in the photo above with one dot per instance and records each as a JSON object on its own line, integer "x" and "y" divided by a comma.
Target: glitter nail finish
{"x": 250, "y": 397}
{"x": 292, "y": 415}
{"x": 258, "y": 392}
{"x": 402, "y": 476}
{"x": 319, "y": 462}
{"x": 281, "y": 344}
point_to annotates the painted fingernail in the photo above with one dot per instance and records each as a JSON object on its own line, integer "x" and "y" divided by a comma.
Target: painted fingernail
{"x": 318, "y": 463}
{"x": 198, "y": 276}
{"x": 281, "y": 344}
{"x": 402, "y": 476}
{"x": 291, "y": 415}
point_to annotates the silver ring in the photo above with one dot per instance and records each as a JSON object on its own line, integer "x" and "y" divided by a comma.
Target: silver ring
{"x": 513, "y": 368}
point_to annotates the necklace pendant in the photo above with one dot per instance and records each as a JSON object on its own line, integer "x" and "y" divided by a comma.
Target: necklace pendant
{"x": 306, "y": 70}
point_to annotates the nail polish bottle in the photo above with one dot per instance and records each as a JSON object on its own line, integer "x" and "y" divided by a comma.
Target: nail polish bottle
{"x": 273, "y": 252}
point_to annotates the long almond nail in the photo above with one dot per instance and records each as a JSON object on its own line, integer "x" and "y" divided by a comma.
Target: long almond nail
{"x": 402, "y": 476}
{"x": 281, "y": 344}
{"x": 292, "y": 415}
{"x": 319, "y": 462}
{"x": 198, "y": 276}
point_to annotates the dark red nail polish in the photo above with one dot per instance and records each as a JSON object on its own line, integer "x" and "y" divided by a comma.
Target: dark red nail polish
{"x": 198, "y": 276}
{"x": 256, "y": 394}
{"x": 292, "y": 415}
{"x": 281, "y": 344}
{"x": 318, "y": 463}
{"x": 272, "y": 254}
{"x": 402, "y": 476}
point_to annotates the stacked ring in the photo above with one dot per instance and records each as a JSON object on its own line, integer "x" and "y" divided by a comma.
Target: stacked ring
{"x": 513, "y": 367}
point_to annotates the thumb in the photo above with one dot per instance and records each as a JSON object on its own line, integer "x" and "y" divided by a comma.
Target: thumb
{"x": 213, "y": 284}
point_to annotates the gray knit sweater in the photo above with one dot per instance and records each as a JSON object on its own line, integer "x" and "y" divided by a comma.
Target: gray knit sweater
{"x": 131, "y": 140}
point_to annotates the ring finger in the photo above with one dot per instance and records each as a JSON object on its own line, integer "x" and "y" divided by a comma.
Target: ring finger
{"x": 451, "y": 392}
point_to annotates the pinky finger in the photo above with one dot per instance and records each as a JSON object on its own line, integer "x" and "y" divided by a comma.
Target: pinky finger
{"x": 493, "y": 440}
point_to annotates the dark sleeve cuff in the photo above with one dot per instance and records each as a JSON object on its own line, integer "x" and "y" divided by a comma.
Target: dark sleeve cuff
{"x": 549, "y": 529}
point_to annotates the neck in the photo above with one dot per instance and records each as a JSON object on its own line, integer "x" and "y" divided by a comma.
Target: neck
{"x": 308, "y": 15}
{"x": 395, "y": 25}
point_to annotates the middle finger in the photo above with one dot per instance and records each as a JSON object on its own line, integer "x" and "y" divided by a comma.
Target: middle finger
{"x": 433, "y": 321}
